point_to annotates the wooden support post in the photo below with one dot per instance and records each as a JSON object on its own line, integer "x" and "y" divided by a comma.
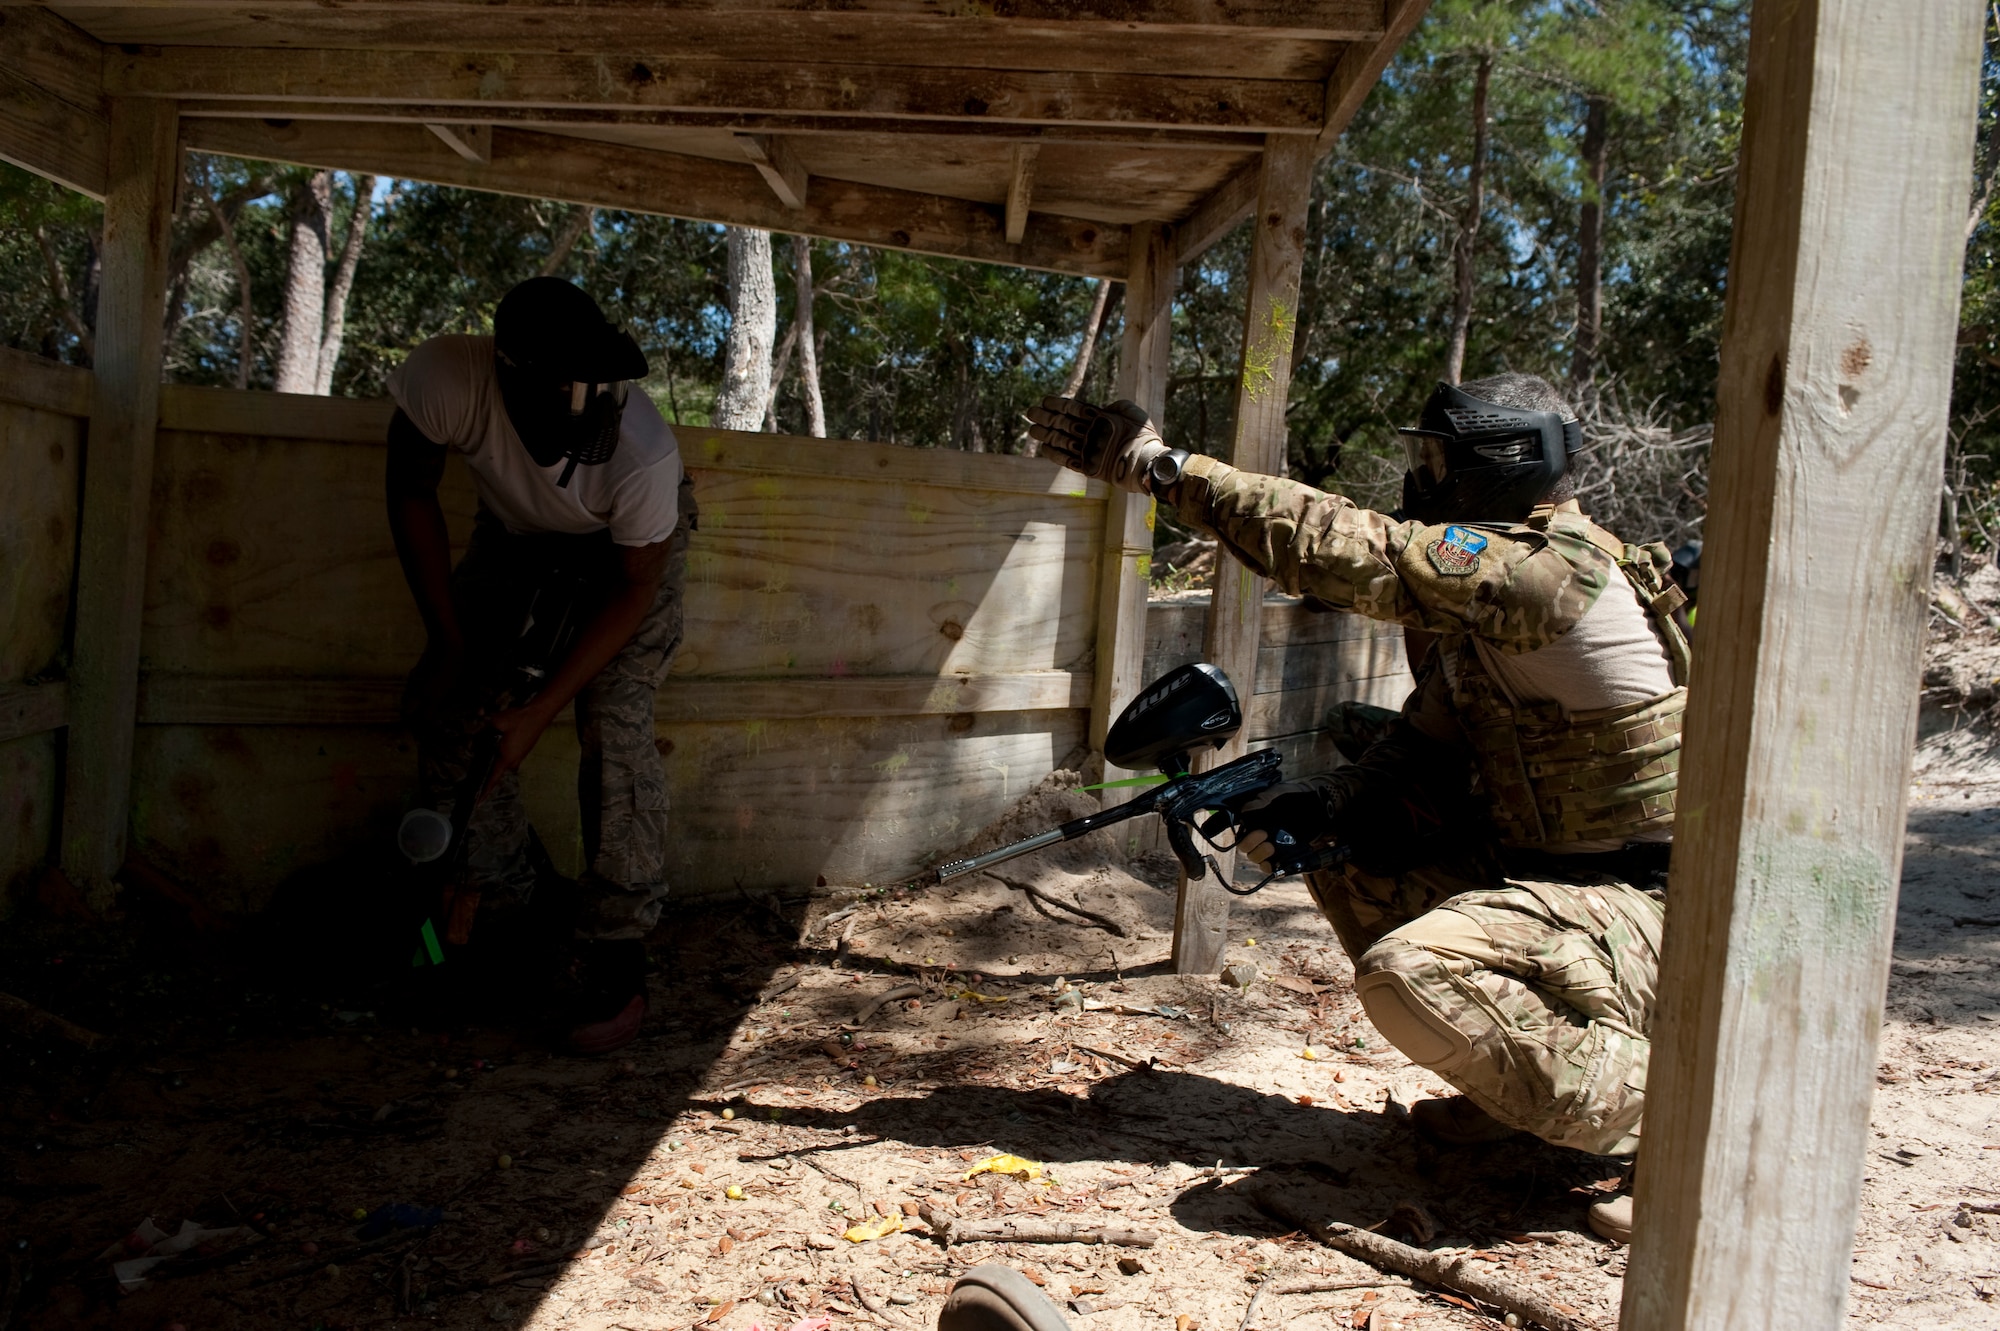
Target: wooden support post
{"x": 1836, "y": 369}
{"x": 144, "y": 167}
{"x": 1277, "y": 253}
{"x": 1127, "y": 564}
{"x": 779, "y": 165}
{"x": 1021, "y": 190}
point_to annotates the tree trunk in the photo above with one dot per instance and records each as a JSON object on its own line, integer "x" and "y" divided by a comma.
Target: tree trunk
{"x": 573, "y": 227}
{"x": 1590, "y": 245}
{"x": 1463, "y": 274}
{"x": 1081, "y": 369}
{"x": 59, "y": 288}
{"x": 753, "y": 327}
{"x": 305, "y": 286}
{"x": 802, "y": 319}
{"x": 343, "y": 284}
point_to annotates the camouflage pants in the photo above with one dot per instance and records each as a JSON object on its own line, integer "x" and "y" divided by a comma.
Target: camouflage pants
{"x": 1533, "y": 998}
{"x": 621, "y": 779}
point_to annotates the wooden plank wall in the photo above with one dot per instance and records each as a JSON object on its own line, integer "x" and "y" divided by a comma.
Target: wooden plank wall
{"x": 1306, "y": 662}
{"x": 884, "y": 646}
{"x": 42, "y": 426}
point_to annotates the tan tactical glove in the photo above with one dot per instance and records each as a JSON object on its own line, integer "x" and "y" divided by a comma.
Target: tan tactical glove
{"x": 1116, "y": 443}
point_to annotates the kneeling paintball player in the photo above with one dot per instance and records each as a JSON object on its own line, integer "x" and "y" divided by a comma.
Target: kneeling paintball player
{"x": 584, "y": 515}
{"x": 1509, "y": 832}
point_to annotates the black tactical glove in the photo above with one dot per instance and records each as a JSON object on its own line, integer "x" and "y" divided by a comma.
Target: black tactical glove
{"x": 1116, "y": 443}
{"x": 1297, "y": 807}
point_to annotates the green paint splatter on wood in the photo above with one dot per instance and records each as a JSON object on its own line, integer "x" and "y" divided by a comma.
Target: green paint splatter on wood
{"x": 1269, "y": 344}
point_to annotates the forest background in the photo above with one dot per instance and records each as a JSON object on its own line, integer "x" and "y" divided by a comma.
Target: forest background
{"x": 1535, "y": 185}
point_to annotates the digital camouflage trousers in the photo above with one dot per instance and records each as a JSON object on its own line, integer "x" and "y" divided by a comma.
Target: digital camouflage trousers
{"x": 1534, "y": 998}
{"x": 621, "y": 777}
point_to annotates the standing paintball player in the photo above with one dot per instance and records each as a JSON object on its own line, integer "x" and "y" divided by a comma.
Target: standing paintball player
{"x": 1509, "y": 833}
{"x": 584, "y": 515}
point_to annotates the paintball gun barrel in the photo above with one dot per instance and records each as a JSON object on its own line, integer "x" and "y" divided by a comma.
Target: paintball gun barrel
{"x": 1189, "y": 709}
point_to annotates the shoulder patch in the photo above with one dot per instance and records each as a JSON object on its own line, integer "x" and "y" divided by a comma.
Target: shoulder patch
{"x": 1456, "y": 553}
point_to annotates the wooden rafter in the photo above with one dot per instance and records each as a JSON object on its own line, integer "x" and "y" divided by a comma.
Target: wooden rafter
{"x": 52, "y": 118}
{"x": 779, "y": 165}
{"x": 1297, "y": 20}
{"x": 1021, "y": 190}
{"x": 613, "y": 176}
{"x": 670, "y": 83}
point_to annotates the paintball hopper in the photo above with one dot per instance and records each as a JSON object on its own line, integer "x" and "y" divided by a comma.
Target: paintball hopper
{"x": 1182, "y": 712}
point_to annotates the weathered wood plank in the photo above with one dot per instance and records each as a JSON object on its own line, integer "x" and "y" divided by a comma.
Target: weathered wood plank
{"x": 42, "y": 133}
{"x": 30, "y": 709}
{"x": 111, "y": 572}
{"x": 51, "y": 52}
{"x": 1021, "y": 190}
{"x": 350, "y": 420}
{"x": 1126, "y": 571}
{"x": 44, "y": 384}
{"x": 665, "y": 79}
{"x": 202, "y": 700}
{"x": 39, "y": 456}
{"x": 842, "y": 570}
{"x": 1277, "y": 252}
{"x": 1093, "y": 25}
{"x": 883, "y": 136}
{"x": 1360, "y": 69}
{"x": 576, "y": 170}
{"x": 1228, "y": 206}
{"x": 28, "y": 801}
{"x": 765, "y": 803}
{"x": 1836, "y": 369}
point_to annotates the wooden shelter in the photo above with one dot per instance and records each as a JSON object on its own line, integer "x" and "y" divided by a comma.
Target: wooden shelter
{"x": 1090, "y": 136}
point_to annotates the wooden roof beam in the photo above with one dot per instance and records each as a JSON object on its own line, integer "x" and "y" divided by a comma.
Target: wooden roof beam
{"x": 779, "y": 165}
{"x": 1298, "y": 20}
{"x": 740, "y": 122}
{"x": 1359, "y": 69}
{"x": 608, "y": 175}
{"x": 52, "y": 116}
{"x": 1020, "y": 189}
{"x": 862, "y": 92}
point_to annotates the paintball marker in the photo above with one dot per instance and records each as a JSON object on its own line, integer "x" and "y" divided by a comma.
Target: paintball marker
{"x": 1185, "y": 711}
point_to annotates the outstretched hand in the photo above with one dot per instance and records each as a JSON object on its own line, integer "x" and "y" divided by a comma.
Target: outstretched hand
{"x": 1115, "y": 443}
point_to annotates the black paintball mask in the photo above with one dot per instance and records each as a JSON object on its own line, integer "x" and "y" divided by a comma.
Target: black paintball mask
{"x": 1476, "y": 461}
{"x": 565, "y": 372}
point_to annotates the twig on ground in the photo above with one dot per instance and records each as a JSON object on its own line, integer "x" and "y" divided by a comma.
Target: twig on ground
{"x": 1040, "y": 898}
{"x": 1133, "y": 1063}
{"x": 1456, "y": 1271}
{"x": 1250, "y": 1314}
{"x": 1335, "y": 1286}
{"x": 861, "y": 1297}
{"x": 950, "y": 1231}
{"x": 20, "y": 1017}
{"x": 875, "y": 1004}
{"x": 784, "y": 986}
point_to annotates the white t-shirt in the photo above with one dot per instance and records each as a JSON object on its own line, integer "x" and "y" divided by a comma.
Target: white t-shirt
{"x": 449, "y": 389}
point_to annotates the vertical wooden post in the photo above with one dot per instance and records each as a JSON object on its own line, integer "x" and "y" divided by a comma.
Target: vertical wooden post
{"x": 1835, "y": 382}
{"x": 1128, "y": 518}
{"x": 1277, "y": 253}
{"x": 117, "y": 488}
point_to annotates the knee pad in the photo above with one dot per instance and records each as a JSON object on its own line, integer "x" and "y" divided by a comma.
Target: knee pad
{"x": 1405, "y": 1013}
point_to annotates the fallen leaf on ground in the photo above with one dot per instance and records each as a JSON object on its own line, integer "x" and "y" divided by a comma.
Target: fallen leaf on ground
{"x": 1012, "y": 1165}
{"x": 874, "y": 1229}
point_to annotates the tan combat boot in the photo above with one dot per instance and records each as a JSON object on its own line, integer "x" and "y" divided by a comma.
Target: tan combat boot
{"x": 1611, "y": 1219}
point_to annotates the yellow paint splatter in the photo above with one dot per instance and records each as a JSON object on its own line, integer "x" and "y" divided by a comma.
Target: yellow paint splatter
{"x": 1271, "y": 343}
{"x": 894, "y": 763}
{"x": 916, "y": 513}
{"x": 1012, "y": 1165}
{"x": 1143, "y": 566}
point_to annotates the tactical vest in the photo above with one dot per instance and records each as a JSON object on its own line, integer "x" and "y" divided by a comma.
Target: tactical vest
{"x": 1553, "y": 777}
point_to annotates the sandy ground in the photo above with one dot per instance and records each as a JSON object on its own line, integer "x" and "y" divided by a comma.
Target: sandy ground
{"x": 707, "y": 1175}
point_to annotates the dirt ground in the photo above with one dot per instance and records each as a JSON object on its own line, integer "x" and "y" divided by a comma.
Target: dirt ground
{"x": 707, "y": 1175}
